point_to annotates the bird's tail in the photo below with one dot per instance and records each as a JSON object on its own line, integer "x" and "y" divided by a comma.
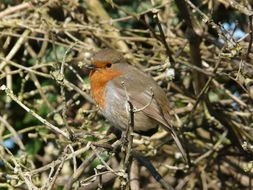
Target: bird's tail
{"x": 178, "y": 143}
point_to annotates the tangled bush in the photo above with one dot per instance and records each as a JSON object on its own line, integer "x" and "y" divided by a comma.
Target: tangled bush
{"x": 53, "y": 135}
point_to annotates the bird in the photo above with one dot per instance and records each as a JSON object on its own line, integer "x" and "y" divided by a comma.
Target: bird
{"x": 114, "y": 83}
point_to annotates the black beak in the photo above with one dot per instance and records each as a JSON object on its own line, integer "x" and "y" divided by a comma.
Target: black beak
{"x": 90, "y": 66}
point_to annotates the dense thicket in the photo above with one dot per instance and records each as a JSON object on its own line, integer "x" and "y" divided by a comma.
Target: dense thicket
{"x": 52, "y": 134}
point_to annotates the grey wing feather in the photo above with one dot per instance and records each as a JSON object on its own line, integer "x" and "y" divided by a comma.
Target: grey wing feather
{"x": 141, "y": 95}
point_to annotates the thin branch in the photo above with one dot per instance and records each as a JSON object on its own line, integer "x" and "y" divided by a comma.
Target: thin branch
{"x": 251, "y": 37}
{"x": 44, "y": 121}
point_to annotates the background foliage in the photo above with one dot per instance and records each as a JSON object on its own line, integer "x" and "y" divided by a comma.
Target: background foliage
{"x": 52, "y": 134}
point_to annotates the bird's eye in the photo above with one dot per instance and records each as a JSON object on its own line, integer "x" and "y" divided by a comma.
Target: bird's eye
{"x": 108, "y": 65}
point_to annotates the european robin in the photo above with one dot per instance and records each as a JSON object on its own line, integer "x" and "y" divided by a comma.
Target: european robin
{"x": 114, "y": 82}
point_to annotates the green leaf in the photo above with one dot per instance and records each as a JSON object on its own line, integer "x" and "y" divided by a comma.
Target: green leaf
{"x": 86, "y": 80}
{"x": 59, "y": 187}
{"x": 213, "y": 96}
{"x": 33, "y": 146}
{"x": 180, "y": 104}
{"x": 97, "y": 161}
{"x": 29, "y": 119}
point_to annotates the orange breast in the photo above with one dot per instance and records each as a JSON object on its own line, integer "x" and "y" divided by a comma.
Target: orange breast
{"x": 98, "y": 80}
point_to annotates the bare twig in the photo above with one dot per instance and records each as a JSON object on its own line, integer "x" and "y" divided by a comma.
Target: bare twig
{"x": 251, "y": 36}
{"x": 14, "y": 133}
{"x": 14, "y": 9}
{"x": 49, "y": 125}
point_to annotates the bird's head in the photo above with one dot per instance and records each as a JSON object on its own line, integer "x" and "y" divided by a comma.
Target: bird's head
{"x": 105, "y": 58}
{"x": 103, "y": 69}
